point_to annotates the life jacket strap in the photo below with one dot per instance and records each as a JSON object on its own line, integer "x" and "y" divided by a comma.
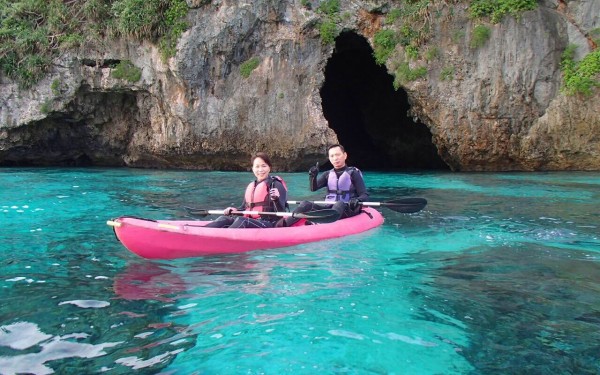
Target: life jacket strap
{"x": 338, "y": 192}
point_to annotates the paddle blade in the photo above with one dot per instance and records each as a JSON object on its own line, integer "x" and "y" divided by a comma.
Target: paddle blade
{"x": 406, "y": 205}
{"x": 319, "y": 216}
{"x": 198, "y": 212}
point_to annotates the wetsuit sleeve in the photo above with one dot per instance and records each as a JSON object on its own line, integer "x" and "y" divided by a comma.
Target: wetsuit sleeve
{"x": 280, "y": 203}
{"x": 359, "y": 185}
{"x": 319, "y": 182}
{"x": 242, "y": 207}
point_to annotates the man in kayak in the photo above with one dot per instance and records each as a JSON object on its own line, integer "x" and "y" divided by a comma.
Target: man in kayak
{"x": 266, "y": 193}
{"x": 345, "y": 187}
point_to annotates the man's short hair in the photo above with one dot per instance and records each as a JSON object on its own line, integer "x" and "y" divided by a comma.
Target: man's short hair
{"x": 334, "y": 146}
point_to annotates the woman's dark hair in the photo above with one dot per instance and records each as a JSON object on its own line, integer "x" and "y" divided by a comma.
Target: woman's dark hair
{"x": 334, "y": 146}
{"x": 264, "y": 157}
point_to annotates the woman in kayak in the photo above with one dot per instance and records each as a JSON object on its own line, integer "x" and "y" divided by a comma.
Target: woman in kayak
{"x": 266, "y": 193}
{"x": 345, "y": 187}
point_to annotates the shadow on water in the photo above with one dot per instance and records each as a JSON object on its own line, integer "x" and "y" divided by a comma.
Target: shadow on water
{"x": 528, "y": 309}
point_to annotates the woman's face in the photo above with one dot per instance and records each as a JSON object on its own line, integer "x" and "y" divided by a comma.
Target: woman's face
{"x": 261, "y": 169}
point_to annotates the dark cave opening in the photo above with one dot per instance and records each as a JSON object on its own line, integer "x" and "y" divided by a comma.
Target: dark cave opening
{"x": 91, "y": 131}
{"x": 369, "y": 116}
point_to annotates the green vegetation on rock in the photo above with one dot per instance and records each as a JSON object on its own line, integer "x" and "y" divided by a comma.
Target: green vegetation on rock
{"x": 405, "y": 74}
{"x": 329, "y": 7}
{"x": 328, "y": 28}
{"x": 583, "y": 76}
{"x": 480, "y": 35}
{"x": 384, "y": 42}
{"x": 248, "y": 66}
{"x": 412, "y": 52}
{"x": 497, "y": 9}
{"x": 328, "y": 31}
{"x": 458, "y": 36}
{"x": 432, "y": 53}
{"x": 127, "y": 71}
{"x": 55, "y": 87}
{"x": 175, "y": 25}
{"x": 447, "y": 73}
{"x": 34, "y": 32}
{"x": 46, "y": 107}
{"x": 410, "y": 27}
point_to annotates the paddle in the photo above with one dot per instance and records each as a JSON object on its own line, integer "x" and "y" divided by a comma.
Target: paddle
{"x": 404, "y": 205}
{"x": 318, "y": 216}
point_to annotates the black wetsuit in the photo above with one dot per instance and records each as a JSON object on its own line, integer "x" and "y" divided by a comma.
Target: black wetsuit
{"x": 358, "y": 190}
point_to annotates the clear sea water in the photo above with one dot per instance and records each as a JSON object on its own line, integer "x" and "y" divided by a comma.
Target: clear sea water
{"x": 499, "y": 274}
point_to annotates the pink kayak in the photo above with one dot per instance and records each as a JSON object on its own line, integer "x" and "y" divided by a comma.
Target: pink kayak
{"x": 165, "y": 239}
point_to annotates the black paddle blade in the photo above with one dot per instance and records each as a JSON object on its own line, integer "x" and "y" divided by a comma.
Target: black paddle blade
{"x": 319, "y": 216}
{"x": 406, "y": 205}
{"x": 197, "y": 212}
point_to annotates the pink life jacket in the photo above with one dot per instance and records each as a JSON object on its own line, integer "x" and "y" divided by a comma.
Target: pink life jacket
{"x": 257, "y": 195}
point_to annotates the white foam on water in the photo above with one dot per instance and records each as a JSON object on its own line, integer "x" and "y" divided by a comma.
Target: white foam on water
{"x": 136, "y": 363}
{"x": 409, "y": 340}
{"x": 86, "y": 303}
{"x": 177, "y": 342}
{"x": 18, "y": 278}
{"x": 187, "y": 306}
{"x": 143, "y": 335}
{"x": 21, "y": 335}
{"x": 52, "y": 349}
{"x": 347, "y": 334}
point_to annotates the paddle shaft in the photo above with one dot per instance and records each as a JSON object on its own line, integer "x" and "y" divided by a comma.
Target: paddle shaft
{"x": 370, "y": 204}
{"x": 404, "y": 205}
{"x": 318, "y": 216}
{"x": 261, "y": 213}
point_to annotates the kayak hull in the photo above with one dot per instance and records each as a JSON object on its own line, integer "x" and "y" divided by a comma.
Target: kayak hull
{"x": 164, "y": 239}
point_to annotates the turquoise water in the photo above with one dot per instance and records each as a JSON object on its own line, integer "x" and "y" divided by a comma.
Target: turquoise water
{"x": 499, "y": 274}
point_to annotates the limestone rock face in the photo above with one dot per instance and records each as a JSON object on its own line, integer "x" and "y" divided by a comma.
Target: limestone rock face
{"x": 502, "y": 110}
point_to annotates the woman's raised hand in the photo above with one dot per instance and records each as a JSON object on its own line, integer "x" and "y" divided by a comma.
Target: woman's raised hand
{"x": 274, "y": 193}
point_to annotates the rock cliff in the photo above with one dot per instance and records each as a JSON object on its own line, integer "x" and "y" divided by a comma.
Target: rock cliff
{"x": 495, "y": 107}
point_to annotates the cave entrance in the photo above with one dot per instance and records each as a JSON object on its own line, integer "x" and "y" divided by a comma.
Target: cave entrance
{"x": 369, "y": 117}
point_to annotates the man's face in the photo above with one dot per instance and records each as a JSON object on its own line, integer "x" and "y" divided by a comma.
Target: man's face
{"x": 337, "y": 157}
